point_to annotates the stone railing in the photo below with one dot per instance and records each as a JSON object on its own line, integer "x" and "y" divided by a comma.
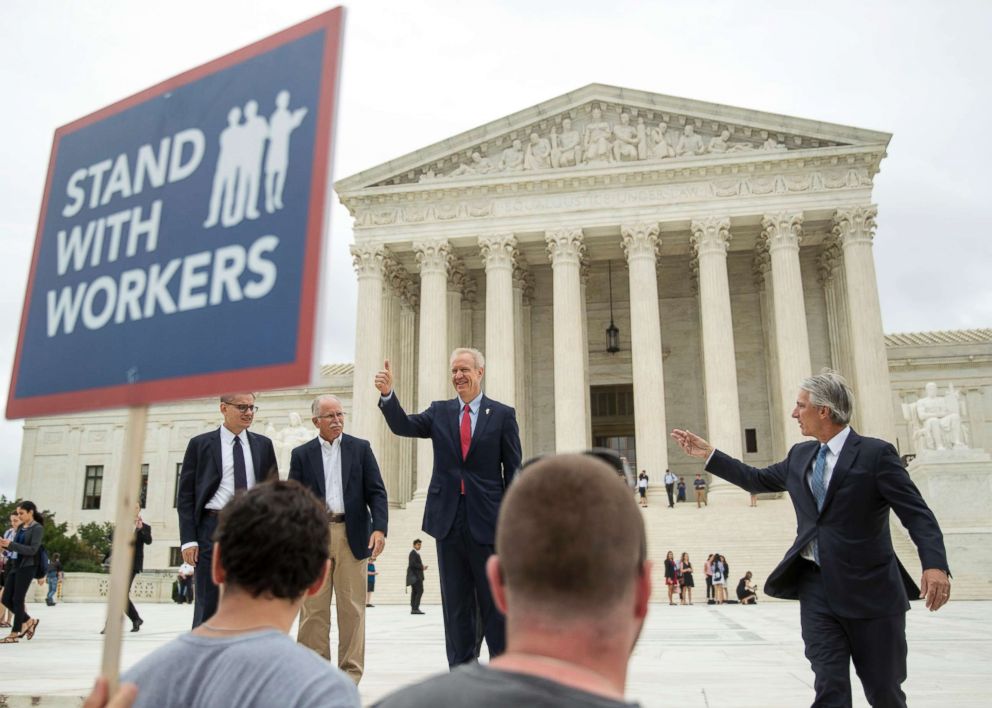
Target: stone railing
{"x": 151, "y": 586}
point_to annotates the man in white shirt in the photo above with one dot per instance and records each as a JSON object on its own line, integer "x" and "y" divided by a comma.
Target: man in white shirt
{"x": 342, "y": 472}
{"x": 216, "y": 466}
{"x": 853, "y": 592}
{"x": 670, "y": 481}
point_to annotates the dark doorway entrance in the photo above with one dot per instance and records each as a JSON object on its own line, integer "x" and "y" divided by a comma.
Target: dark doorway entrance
{"x": 612, "y": 409}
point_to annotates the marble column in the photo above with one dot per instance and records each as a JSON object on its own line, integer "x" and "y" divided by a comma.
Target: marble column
{"x": 365, "y": 417}
{"x": 498, "y": 257}
{"x": 469, "y": 294}
{"x": 710, "y": 239}
{"x": 456, "y": 285}
{"x": 523, "y": 290}
{"x": 387, "y": 455}
{"x": 640, "y": 244}
{"x": 783, "y": 232}
{"x": 762, "y": 269}
{"x": 855, "y": 229}
{"x": 434, "y": 259}
{"x": 584, "y": 269}
{"x": 565, "y": 250}
{"x": 406, "y": 384}
{"x": 830, "y": 270}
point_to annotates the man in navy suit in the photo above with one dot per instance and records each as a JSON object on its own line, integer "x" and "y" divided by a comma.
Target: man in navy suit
{"x": 216, "y": 466}
{"x": 476, "y": 453}
{"x": 342, "y": 472}
{"x": 853, "y": 592}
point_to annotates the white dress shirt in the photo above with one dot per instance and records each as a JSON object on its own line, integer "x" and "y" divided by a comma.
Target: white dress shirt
{"x": 225, "y": 492}
{"x": 330, "y": 452}
{"x": 834, "y": 446}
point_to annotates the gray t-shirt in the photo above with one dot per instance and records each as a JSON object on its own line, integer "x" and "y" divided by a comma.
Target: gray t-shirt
{"x": 261, "y": 669}
{"x": 482, "y": 687}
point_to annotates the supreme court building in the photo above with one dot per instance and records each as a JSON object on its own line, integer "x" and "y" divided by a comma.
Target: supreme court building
{"x": 727, "y": 251}
{"x": 730, "y": 248}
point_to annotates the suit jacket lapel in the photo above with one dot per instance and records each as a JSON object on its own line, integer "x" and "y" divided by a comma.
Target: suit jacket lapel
{"x": 455, "y": 418}
{"x": 806, "y": 497}
{"x": 346, "y": 455}
{"x": 256, "y": 456}
{"x": 317, "y": 465}
{"x": 481, "y": 422}
{"x": 217, "y": 456}
{"x": 848, "y": 454}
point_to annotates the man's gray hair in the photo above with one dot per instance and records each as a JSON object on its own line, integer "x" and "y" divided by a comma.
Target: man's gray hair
{"x": 480, "y": 361}
{"x": 315, "y": 406}
{"x": 830, "y": 389}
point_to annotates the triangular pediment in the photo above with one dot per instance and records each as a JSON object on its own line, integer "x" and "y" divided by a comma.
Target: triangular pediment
{"x": 601, "y": 126}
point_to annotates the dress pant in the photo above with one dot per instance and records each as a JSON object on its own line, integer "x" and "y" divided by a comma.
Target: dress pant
{"x": 15, "y": 590}
{"x": 670, "y": 490}
{"x": 877, "y": 646}
{"x": 132, "y": 612}
{"x": 207, "y": 594}
{"x": 416, "y": 592}
{"x": 348, "y": 577}
{"x": 467, "y": 605}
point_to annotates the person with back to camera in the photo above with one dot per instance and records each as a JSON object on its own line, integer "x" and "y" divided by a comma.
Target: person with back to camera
{"x": 27, "y": 545}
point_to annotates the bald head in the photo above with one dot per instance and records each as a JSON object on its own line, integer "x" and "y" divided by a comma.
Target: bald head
{"x": 570, "y": 538}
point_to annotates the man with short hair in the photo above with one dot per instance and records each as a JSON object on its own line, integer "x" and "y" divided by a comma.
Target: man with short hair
{"x": 476, "y": 453}
{"x": 699, "y": 484}
{"x": 415, "y": 578}
{"x": 853, "y": 592}
{"x": 342, "y": 473}
{"x": 242, "y": 656}
{"x": 573, "y": 611}
{"x": 217, "y": 465}
{"x": 670, "y": 480}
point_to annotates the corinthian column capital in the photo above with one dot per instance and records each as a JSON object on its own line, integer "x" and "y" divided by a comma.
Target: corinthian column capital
{"x": 565, "y": 246}
{"x": 782, "y": 230}
{"x": 368, "y": 260}
{"x": 457, "y": 276}
{"x": 498, "y": 251}
{"x": 433, "y": 256}
{"x": 639, "y": 240}
{"x": 855, "y": 224}
{"x": 710, "y": 234}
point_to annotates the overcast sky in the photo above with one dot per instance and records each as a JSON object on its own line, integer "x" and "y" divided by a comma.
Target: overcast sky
{"x": 417, "y": 72}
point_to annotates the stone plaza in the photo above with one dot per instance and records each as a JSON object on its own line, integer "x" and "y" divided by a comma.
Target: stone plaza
{"x": 705, "y": 656}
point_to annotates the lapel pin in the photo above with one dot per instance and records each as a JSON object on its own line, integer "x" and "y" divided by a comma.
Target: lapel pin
{"x": 487, "y": 411}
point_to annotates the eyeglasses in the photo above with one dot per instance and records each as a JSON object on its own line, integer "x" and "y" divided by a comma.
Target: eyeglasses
{"x": 243, "y": 407}
{"x": 330, "y": 416}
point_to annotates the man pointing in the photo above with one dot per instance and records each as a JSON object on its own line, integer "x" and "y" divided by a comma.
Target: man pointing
{"x": 853, "y": 592}
{"x": 476, "y": 453}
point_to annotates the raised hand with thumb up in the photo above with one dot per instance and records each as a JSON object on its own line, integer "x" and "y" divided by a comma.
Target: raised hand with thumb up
{"x": 384, "y": 379}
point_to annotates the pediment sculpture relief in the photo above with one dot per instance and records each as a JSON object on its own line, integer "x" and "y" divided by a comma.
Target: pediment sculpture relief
{"x": 600, "y": 142}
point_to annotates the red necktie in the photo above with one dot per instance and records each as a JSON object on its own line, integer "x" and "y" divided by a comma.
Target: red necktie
{"x": 466, "y": 435}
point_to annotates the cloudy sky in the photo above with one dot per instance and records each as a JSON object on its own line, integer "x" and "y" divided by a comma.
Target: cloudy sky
{"x": 417, "y": 72}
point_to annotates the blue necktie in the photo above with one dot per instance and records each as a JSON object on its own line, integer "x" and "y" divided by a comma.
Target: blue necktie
{"x": 819, "y": 489}
{"x": 240, "y": 471}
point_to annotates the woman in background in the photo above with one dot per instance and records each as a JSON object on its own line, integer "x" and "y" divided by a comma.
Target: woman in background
{"x": 671, "y": 575}
{"x": 685, "y": 566}
{"x": 27, "y": 544}
{"x": 7, "y": 565}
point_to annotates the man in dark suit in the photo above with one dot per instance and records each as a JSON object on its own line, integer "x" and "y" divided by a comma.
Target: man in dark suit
{"x": 415, "y": 578}
{"x": 217, "y": 465}
{"x": 476, "y": 453}
{"x": 342, "y": 472}
{"x": 142, "y": 538}
{"x": 853, "y": 592}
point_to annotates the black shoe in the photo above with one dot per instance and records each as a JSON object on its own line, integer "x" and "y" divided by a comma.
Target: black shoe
{"x": 417, "y": 612}
{"x": 136, "y": 625}
{"x": 367, "y": 605}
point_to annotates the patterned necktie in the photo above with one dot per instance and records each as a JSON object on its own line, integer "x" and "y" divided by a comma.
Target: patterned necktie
{"x": 240, "y": 475}
{"x": 819, "y": 489}
{"x": 466, "y": 435}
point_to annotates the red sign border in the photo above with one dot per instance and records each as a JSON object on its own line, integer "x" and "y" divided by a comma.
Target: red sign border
{"x": 295, "y": 373}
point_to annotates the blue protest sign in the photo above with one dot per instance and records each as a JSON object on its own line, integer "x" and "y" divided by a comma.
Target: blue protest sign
{"x": 180, "y": 236}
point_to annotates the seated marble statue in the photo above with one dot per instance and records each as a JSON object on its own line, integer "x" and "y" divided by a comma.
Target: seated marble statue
{"x": 566, "y": 150}
{"x": 721, "y": 142}
{"x": 939, "y": 419}
{"x": 479, "y": 166}
{"x": 625, "y": 140}
{"x": 772, "y": 144}
{"x": 690, "y": 143}
{"x": 538, "y": 154}
{"x": 513, "y": 157}
{"x": 659, "y": 144}
{"x": 596, "y": 140}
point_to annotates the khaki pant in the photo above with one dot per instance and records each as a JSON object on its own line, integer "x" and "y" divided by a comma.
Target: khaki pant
{"x": 348, "y": 577}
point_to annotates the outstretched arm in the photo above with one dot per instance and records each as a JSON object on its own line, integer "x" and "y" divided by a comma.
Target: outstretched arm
{"x": 692, "y": 444}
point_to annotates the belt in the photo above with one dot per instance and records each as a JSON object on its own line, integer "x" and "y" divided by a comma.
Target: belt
{"x": 335, "y": 518}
